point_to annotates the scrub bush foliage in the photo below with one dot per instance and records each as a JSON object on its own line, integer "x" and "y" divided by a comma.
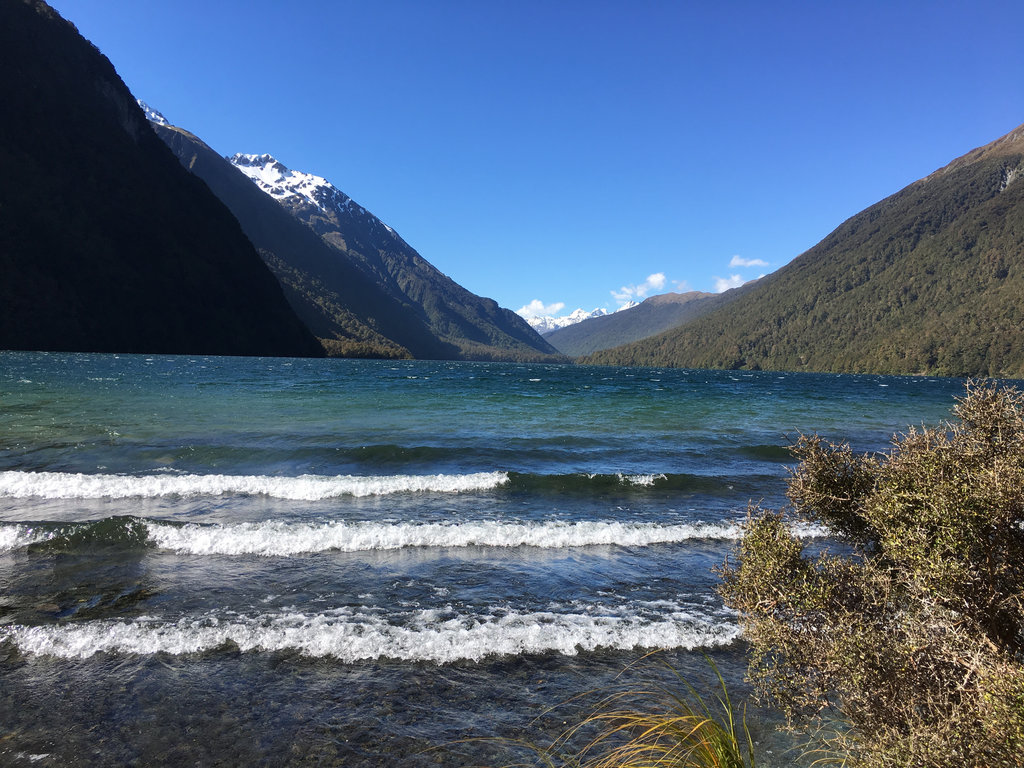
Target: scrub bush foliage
{"x": 912, "y": 630}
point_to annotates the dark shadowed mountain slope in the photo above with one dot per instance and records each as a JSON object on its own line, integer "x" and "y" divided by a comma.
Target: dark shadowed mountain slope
{"x": 929, "y": 280}
{"x": 650, "y": 317}
{"x": 106, "y": 243}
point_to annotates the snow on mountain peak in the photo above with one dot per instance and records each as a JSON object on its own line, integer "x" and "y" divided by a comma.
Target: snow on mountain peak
{"x": 280, "y": 182}
{"x": 151, "y": 114}
{"x": 547, "y": 323}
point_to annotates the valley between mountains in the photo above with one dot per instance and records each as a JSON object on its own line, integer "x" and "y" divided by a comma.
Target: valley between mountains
{"x": 126, "y": 234}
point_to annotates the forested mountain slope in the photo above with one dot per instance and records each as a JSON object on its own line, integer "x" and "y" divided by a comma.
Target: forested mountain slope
{"x": 929, "y": 280}
{"x": 649, "y": 317}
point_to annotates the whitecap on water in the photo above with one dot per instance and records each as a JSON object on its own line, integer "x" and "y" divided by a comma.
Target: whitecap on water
{"x": 64, "y": 485}
{"x": 349, "y": 635}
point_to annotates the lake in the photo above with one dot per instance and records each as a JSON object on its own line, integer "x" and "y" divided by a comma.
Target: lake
{"x": 245, "y": 561}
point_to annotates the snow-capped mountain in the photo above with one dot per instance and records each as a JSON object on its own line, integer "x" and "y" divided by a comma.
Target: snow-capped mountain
{"x": 476, "y": 326}
{"x": 548, "y": 323}
{"x": 545, "y": 324}
{"x": 289, "y": 187}
{"x": 151, "y": 114}
{"x": 354, "y": 281}
{"x": 281, "y": 182}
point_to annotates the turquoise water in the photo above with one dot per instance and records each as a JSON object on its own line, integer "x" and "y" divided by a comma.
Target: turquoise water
{"x": 293, "y": 562}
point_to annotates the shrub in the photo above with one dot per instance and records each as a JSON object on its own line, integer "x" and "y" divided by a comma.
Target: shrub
{"x": 912, "y": 628}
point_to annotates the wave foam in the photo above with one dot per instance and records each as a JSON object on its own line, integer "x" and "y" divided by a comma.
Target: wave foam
{"x": 17, "y": 536}
{"x": 349, "y": 636}
{"x": 274, "y": 538}
{"x": 643, "y": 481}
{"x": 66, "y": 485}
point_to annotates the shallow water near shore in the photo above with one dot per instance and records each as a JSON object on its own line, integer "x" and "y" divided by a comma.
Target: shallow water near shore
{"x": 246, "y": 561}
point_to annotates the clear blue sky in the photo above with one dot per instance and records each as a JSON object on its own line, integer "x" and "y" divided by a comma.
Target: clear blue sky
{"x": 562, "y": 151}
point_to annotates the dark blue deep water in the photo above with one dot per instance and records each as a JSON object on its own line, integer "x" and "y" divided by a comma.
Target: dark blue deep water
{"x": 238, "y": 561}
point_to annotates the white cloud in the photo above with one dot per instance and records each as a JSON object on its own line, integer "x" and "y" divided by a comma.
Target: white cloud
{"x": 725, "y": 283}
{"x": 681, "y": 286}
{"x": 739, "y": 261}
{"x": 538, "y": 308}
{"x": 628, "y": 293}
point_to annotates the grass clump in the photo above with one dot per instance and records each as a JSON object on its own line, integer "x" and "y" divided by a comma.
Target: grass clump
{"x": 666, "y": 725}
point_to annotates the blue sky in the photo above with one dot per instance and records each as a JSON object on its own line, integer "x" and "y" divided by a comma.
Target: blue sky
{"x": 582, "y": 153}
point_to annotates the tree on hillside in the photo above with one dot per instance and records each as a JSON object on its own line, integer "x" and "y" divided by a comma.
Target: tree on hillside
{"x": 912, "y": 629}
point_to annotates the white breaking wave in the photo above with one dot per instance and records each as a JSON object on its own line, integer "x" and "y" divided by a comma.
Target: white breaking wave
{"x": 641, "y": 480}
{"x": 18, "y": 536}
{"x": 349, "y": 636}
{"x": 66, "y": 485}
{"x": 274, "y": 538}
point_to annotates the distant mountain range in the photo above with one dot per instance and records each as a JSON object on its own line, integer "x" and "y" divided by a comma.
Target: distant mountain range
{"x": 353, "y": 280}
{"x": 650, "y": 317}
{"x": 927, "y": 281}
{"x": 106, "y": 243}
{"x": 545, "y": 324}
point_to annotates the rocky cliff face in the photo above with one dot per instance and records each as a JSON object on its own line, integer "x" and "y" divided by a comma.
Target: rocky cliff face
{"x": 106, "y": 243}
